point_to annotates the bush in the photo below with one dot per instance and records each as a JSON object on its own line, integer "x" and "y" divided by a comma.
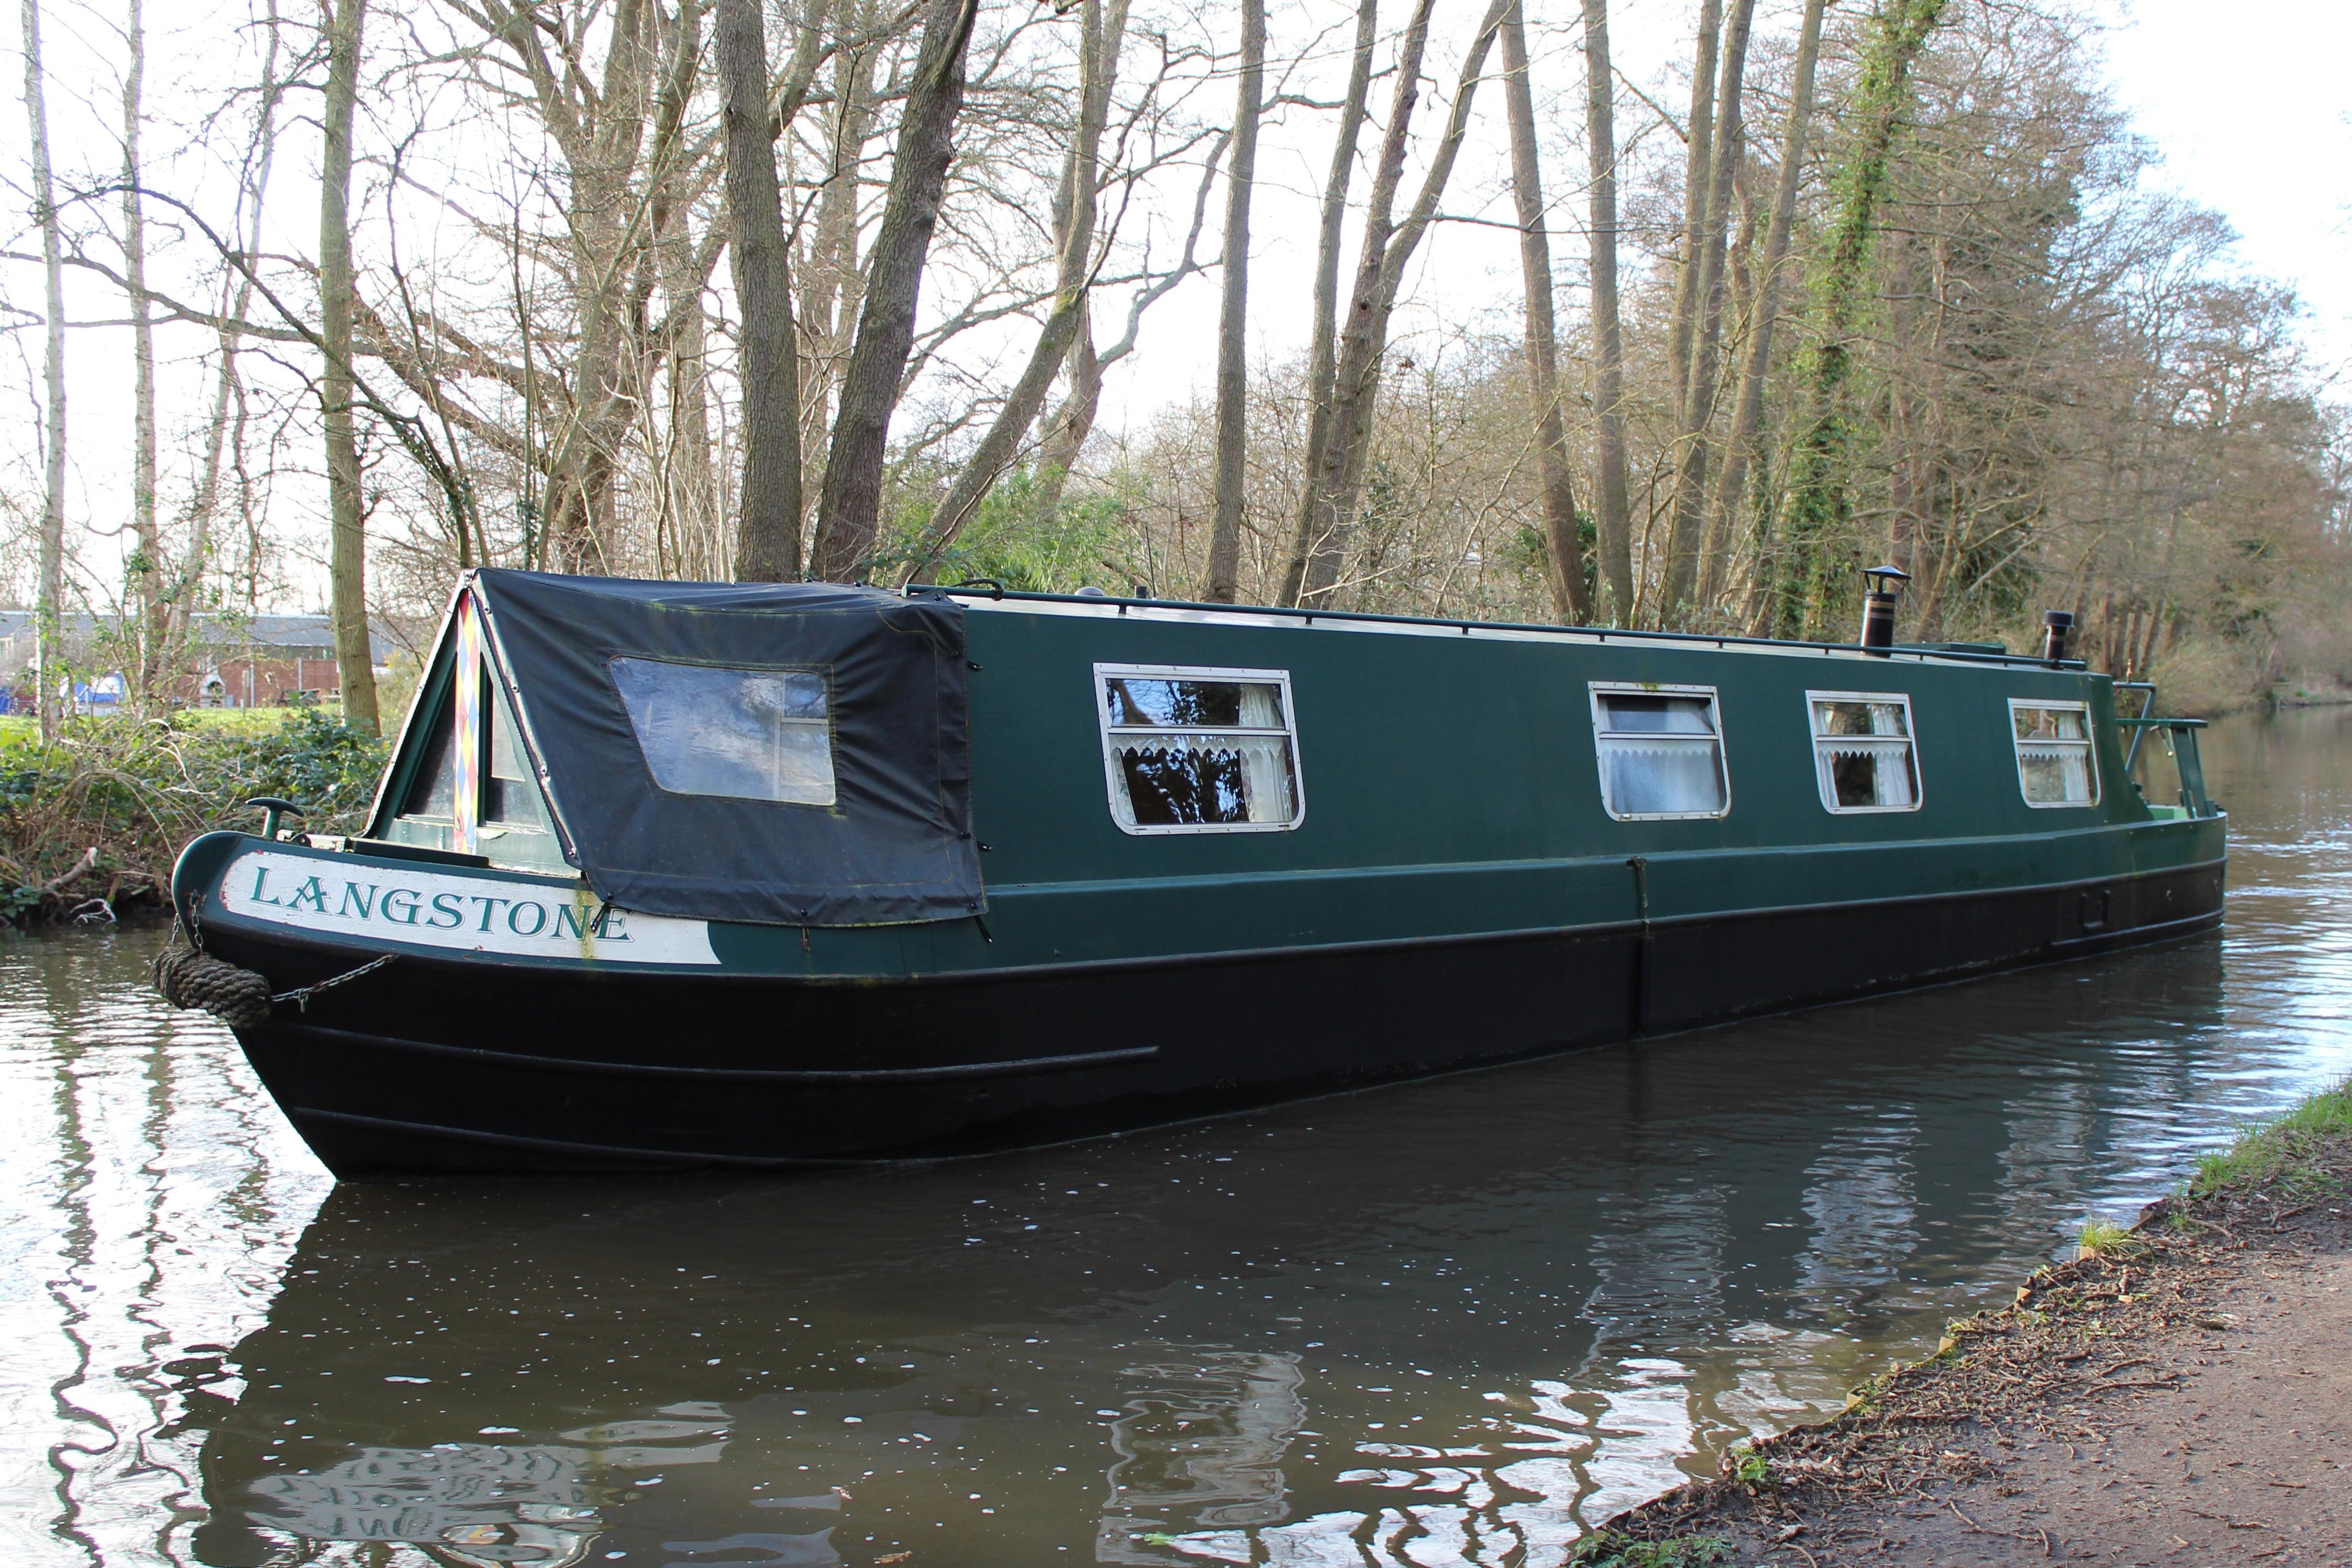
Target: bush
{"x": 96, "y": 817}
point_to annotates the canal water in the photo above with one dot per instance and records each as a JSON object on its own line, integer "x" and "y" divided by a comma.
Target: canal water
{"x": 1452, "y": 1322}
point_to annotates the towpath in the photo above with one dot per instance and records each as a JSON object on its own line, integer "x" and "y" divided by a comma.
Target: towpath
{"x": 2185, "y": 1397}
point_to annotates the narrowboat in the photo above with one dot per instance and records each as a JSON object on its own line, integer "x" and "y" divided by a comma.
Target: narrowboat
{"x": 669, "y": 875}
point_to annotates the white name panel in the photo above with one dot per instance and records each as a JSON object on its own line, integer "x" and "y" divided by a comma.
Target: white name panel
{"x": 432, "y": 908}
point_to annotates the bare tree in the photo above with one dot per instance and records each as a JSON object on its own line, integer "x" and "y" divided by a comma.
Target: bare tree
{"x": 1564, "y": 545}
{"x": 1615, "y": 521}
{"x": 1233, "y": 321}
{"x": 145, "y": 567}
{"x": 850, "y": 512}
{"x": 831, "y": 282}
{"x": 1323, "y": 352}
{"x": 49, "y": 590}
{"x": 1699, "y": 137}
{"x": 1336, "y": 485}
{"x": 768, "y": 537}
{"x": 223, "y": 426}
{"x": 354, "y": 661}
{"x": 1711, "y": 206}
{"x": 1102, "y": 30}
{"x": 1747, "y": 410}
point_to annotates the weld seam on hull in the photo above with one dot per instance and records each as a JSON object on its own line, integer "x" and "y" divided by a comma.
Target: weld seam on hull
{"x": 669, "y": 1159}
{"x": 751, "y": 1075}
{"x": 2153, "y": 930}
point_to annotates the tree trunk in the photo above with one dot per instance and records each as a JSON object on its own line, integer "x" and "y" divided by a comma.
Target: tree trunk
{"x": 1699, "y": 390}
{"x": 1232, "y": 324}
{"x": 616, "y": 147}
{"x": 48, "y": 602}
{"x": 1068, "y": 427}
{"x": 147, "y": 565}
{"x": 1363, "y": 344}
{"x": 1102, "y": 35}
{"x": 1747, "y": 412}
{"x": 347, "y": 569}
{"x": 1698, "y": 164}
{"x": 1615, "y": 527}
{"x": 1808, "y": 592}
{"x": 1322, "y": 355}
{"x": 1358, "y": 352}
{"x": 1563, "y": 547}
{"x": 830, "y": 283}
{"x": 768, "y": 533}
{"x": 849, "y": 515}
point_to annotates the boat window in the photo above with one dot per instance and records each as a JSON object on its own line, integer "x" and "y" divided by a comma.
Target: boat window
{"x": 1864, "y": 754}
{"x": 1198, "y": 750}
{"x": 2054, "y": 765}
{"x": 510, "y": 794}
{"x": 1660, "y": 750}
{"x": 749, "y": 734}
{"x": 433, "y": 792}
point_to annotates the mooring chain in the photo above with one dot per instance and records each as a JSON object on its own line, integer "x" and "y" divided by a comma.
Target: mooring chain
{"x": 301, "y": 997}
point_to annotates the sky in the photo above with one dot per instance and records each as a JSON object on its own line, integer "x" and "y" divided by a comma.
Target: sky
{"x": 2252, "y": 105}
{"x": 2247, "y": 102}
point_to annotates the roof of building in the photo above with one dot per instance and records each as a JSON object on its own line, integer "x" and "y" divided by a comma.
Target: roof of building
{"x": 304, "y": 637}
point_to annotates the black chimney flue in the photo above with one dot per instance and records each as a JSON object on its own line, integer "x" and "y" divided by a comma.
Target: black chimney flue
{"x": 1878, "y": 607}
{"x": 2057, "y": 625}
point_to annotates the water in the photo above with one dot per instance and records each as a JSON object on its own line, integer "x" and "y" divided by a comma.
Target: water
{"x": 1443, "y": 1324}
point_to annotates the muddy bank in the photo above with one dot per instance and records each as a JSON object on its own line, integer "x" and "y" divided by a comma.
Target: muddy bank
{"x": 2184, "y": 1396}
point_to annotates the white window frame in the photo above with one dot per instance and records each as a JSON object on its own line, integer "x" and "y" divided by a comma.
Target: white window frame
{"x": 1115, "y": 781}
{"x": 1602, "y": 734}
{"x": 2089, "y": 742}
{"x": 1910, "y": 737}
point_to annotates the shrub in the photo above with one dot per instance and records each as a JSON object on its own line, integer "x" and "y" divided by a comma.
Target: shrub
{"x": 98, "y": 815}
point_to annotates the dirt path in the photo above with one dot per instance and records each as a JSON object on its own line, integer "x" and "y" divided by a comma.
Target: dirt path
{"x": 2186, "y": 1398}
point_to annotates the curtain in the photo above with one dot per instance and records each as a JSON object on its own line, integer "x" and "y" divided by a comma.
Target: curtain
{"x": 1265, "y": 759}
{"x": 1654, "y": 777}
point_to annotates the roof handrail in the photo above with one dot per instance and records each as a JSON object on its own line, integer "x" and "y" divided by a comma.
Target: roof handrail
{"x": 1598, "y": 634}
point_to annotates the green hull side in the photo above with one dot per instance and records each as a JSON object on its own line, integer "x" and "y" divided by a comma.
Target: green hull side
{"x": 1451, "y": 789}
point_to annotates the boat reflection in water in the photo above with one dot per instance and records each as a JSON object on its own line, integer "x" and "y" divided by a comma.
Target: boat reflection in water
{"x": 481, "y": 1503}
{"x": 1457, "y": 1325}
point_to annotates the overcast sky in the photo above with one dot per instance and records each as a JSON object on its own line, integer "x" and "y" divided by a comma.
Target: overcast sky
{"x": 2251, "y": 103}
{"x": 2247, "y": 100}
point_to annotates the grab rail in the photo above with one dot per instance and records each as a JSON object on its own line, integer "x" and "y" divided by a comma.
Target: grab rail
{"x": 2147, "y": 689}
{"x": 2181, "y": 739}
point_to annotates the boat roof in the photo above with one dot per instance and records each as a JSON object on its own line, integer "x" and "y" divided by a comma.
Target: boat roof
{"x": 988, "y": 595}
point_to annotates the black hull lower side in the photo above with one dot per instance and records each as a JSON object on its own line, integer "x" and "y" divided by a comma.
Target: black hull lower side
{"x": 462, "y": 1066}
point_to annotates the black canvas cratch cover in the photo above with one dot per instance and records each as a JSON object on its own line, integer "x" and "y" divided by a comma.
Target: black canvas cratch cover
{"x": 793, "y": 754}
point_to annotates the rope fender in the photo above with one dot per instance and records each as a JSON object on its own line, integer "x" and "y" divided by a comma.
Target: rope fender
{"x": 187, "y": 978}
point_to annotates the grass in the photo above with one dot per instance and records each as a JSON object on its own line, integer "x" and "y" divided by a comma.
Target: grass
{"x": 2284, "y": 1152}
{"x": 1611, "y": 1550}
{"x": 2101, "y": 1239}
